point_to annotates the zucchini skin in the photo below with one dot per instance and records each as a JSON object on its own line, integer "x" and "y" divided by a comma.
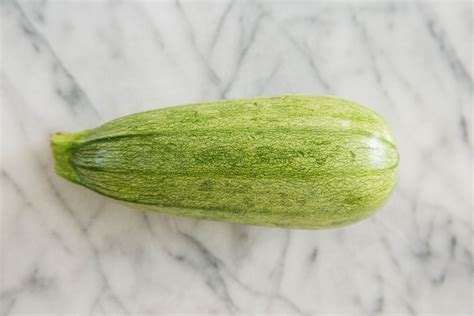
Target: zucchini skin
{"x": 303, "y": 162}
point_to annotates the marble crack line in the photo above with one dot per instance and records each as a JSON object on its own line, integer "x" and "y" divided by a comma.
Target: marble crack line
{"x": 372, "y": 56}
{"x": 243, "y": 54}
{"x": 21, "y": 193}
{"x": 220, "y": 25}
{"x": 157, "y": 36}
{"x": 422, "y": 255}
{"x": 17, "y": 188}
{"x": 408, "y": 86}
{"x": 445, "y": 47}
{"x": 214, "y": 285}
{"x": 272, "y": 74}
{"x": 452, "y": 59}
{"x": 76, "y": 96}
{"x": 83, "y": 233}
{"x": 31, "y": 282}
{"x": 210, "y": 72}
{"x": 8, "y": 300}
{"x": 279, "y": 269}
{"x": 389, "y": 250}
{"x": 43, "y": 166}
{"x": 215, "y": 281}
{"x": 16, "y": 103}
{"x": 304, "y": 51}
{"x": 218, "y": 265}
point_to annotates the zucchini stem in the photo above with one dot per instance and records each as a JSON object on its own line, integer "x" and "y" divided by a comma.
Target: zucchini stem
{"x": 62, "y": 145}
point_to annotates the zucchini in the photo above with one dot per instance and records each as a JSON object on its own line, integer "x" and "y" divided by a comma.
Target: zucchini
{"x": 289, "y": 161}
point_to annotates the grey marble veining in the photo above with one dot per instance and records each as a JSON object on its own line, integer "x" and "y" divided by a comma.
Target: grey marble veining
{"x": 70, "y": 65}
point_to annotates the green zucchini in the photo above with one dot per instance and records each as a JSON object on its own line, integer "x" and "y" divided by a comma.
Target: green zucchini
{"x": 288, "y": 161}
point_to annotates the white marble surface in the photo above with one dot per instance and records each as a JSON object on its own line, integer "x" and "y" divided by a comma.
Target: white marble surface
{"x": 70, "y": 65}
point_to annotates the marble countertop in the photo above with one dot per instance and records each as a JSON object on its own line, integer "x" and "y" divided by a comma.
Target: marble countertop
{"x": 70, "y": 65}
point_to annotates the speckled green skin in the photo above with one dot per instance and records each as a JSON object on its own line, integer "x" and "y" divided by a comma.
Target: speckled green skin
{"x": 290, "y": 161}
